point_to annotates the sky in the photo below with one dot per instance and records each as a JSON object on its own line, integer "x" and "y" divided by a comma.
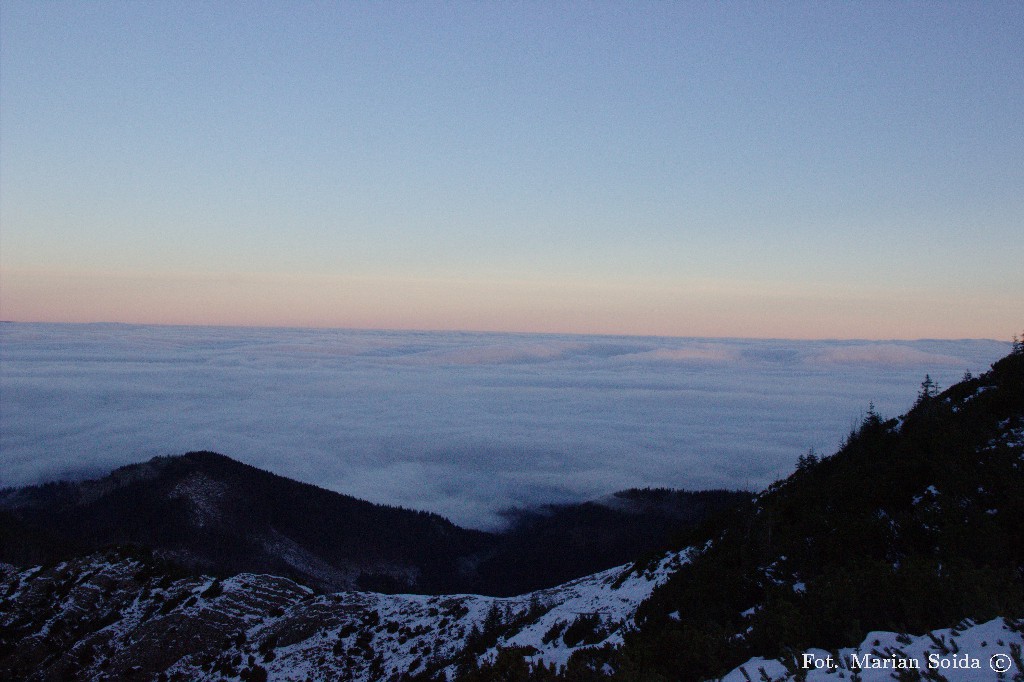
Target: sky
{"x": 772, "y": 170}
{"x": 468, "y": 425}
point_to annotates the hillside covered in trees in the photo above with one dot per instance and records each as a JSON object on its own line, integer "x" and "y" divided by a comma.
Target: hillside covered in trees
{"x": 211, "y": 514}
{"x": 913, "y": 524}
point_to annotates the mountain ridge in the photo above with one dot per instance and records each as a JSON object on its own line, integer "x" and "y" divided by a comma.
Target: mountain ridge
{"x": 213, "y": 514}
{"x": 913, "y": 524}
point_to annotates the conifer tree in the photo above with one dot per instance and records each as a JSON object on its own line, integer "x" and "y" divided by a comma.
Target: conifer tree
{"x": 929, "y": 389}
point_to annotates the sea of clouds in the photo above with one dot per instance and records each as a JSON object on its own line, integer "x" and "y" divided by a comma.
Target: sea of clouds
{"x": 464, "y": 424}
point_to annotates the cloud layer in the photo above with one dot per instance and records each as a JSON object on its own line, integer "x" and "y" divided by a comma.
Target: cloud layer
{"x": 459, "y": 423}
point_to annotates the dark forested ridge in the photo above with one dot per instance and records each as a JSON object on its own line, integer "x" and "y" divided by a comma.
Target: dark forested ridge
{"x": 560, "y": 542}
{"x": 212, "y": 514}
{"x": 914, "y": 524}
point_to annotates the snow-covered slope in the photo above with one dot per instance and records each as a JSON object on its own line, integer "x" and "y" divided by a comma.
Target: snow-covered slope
{"x": 968, "y": 652}
{"x": 110, "y": 617}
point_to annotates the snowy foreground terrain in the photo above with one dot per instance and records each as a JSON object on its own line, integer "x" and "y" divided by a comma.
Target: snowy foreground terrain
{"x": 261, "y": 624}
{"x": 969, "y": 651}
{"x": 260, "y": 621}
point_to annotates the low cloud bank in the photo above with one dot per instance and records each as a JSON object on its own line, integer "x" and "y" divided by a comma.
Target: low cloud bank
{"x": 462, "y": 424}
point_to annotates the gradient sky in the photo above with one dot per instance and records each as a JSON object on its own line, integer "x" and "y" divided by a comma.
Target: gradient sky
{"x": 806, "y": 170}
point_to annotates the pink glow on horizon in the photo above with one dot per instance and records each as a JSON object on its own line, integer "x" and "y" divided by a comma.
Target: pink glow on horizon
{"x": 695, "y": 309}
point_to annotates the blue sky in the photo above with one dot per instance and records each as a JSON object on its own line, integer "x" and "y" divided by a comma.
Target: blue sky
{"x": 811, "y": 170}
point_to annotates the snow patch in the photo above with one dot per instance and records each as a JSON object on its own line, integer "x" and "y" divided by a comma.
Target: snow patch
{"x": 968, "y": 652}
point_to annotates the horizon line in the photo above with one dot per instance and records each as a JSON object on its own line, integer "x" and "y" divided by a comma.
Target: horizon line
{"x": 496, "y": 332}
